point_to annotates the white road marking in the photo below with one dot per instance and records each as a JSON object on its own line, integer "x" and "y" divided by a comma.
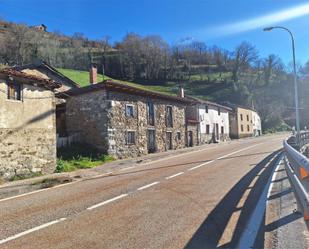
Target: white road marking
{"x": 65, "y": 184}
{"x": 221, "y": 157}
{"x": 148, "y": 186}
{"x": 31, "y": 230}
{"x": 107, "y": 201}
{"x": 273, "y": 178}
{"x": 172, "y": 176}
{"x": 237, "y": 151}
{"x": 201, "y": 165}
{"x": 37, "y": 191}
{"x": 250, "y": 232}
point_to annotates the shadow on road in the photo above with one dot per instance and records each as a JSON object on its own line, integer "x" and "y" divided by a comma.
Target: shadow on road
{"x": 210, "y": 232}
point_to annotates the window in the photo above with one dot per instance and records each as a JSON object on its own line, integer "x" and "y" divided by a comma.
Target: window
{"x": 241, "y": 117}
{"x": 130, "y": 139}
{"x": 222, "y": 129}
{"x": 178, "y": 135}
{"x": 169, "y": 116}
{"x": 129, "y": 110}
{"x": 248, "y": 128}
{"x": 247, "y": 117}
{"x": 242, "y": 127}
{"x": 150, "y": 111}
{"x": 14, "y": 91}
{"x": 206, "y": 108}
{"x": 219, "y": 111}
{"x": 207, "y": 129}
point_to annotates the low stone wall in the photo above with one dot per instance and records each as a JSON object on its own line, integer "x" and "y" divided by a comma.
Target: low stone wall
{"x": 195, "y": 134}
{"x": 26, "y": 151}
{"x": 225, "y": 137}
{"x": 206, "y": 138}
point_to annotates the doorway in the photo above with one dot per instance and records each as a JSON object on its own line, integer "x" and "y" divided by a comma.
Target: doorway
{"x": 151, "y": 141}
{"x": 190, "y": 138}
{"x": 169, "y": 144}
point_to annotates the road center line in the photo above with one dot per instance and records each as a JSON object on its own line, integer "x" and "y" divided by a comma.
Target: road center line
{"x": 31, "y": 230}
{"x": 200, "y": 165}
{"x": 172, "y": 176}
{"x": 107, "y": 201}
{"x": 237, "y": 151}
{"x": 222, "y": 157}
{"x": 148, "y": 185}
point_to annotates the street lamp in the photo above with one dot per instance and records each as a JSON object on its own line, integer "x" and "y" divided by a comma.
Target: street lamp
{"x": 295, "y": 78}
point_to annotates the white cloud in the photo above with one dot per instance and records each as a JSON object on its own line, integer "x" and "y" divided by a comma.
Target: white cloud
{"x": 261, "y": 21}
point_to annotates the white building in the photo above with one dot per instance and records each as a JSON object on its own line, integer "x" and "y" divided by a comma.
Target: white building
{"x": 256, "y": 124}
{"x": 213, "y": 121}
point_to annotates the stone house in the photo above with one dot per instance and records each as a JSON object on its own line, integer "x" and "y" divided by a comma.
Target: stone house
{"x": 126, "y": 121}
{"x": 244, "y": 122}
{"x": 212, "y": 120}
{"x": 27, "y": 124}
{"x": 44, "y": 70}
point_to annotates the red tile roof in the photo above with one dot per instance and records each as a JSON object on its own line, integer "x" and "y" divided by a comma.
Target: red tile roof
{"x": 47, "y": 83}
{"x": 120, "y": 87}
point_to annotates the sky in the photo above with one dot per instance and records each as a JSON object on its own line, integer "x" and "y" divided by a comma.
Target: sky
{"x": 224, "y": 23}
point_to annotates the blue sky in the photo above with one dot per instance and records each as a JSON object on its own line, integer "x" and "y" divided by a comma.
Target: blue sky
{"x": 215, "y": 22}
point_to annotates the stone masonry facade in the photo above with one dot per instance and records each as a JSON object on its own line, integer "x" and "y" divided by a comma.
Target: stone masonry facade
{"x": 101, "y": 119}
{"x": 27, "y": 131}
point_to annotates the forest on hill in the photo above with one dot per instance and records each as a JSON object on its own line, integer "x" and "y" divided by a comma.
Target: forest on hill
{"x": 239, "y": 76}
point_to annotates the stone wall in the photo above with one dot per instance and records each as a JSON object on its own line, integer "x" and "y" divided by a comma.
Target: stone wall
{"x": 26, "y": 151}
{"x": 100, "y": 117}
{"x": 27, "y": 132}
{"x": 120, "y": 124}
{"x": 195, "y": 134}
{"x": 88, "y": 115}
{"x": 206, "y": 138}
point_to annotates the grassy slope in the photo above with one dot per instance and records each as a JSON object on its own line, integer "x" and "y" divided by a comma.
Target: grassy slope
{"x": 82, "y": 78}
{"x": 206, "y": 86}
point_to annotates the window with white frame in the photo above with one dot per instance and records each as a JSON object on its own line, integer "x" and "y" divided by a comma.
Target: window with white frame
{"x": 130, "y": 110}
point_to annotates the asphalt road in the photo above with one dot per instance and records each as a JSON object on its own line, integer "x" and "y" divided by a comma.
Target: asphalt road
{"x": 199, "y": 199}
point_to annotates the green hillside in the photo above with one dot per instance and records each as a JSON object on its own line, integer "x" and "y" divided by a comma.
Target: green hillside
{"x": 82, "y": 78}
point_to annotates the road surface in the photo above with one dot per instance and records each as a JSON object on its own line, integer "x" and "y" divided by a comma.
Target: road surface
{"x": 200, "y": 199}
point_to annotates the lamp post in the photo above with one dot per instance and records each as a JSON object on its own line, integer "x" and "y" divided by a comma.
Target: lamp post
{"x": 295, "y": 79}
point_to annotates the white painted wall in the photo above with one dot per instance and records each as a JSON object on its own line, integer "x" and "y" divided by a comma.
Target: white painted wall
{"x": 211, "y": 118}
{"x": 256, "y": 123}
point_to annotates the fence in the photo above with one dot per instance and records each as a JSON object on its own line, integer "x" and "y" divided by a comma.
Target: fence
{"x": 297, "y": 168}
{"x": 68, "y": 141}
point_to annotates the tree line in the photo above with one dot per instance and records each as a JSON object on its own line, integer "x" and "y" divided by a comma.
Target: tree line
{"x": 244, "y": 77}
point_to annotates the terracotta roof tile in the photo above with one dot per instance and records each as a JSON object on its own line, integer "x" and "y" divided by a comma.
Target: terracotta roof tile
{"x": 47, "y": 83}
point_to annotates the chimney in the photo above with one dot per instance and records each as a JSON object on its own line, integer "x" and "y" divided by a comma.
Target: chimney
{"x": 181, "y": 91}
{"x": 93, "y": 72}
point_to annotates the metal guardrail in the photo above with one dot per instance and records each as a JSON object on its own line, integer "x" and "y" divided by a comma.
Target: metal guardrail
{"x": 297, "y": 168}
